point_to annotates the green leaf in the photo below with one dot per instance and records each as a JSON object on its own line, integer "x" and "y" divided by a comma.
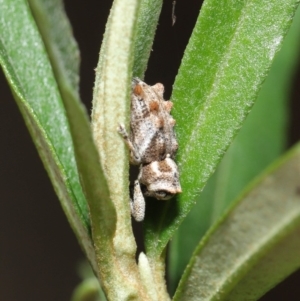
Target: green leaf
{"x": 225, "y": 63}
{"x": 64, "y": 56}
{"x": 26, "y": 66}
{"x": 260, "y": 141}
{"x": 255, "y": 245}
{"x": 147, "y": 19}
{"x": 56, "y": 32}
{"x": 110, "y": 108}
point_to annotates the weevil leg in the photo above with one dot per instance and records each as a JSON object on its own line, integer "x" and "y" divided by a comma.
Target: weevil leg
{"x": 134, "y": 154}
{"x": 138, "y": 204}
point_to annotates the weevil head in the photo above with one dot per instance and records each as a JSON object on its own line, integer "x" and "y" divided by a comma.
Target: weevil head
{"x": 160, "y": 179}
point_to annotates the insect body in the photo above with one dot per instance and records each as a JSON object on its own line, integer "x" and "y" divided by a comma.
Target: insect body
{"x": 152, "y": 144}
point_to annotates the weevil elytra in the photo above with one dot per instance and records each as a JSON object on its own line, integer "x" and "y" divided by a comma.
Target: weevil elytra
{"x": 152, "y": 144}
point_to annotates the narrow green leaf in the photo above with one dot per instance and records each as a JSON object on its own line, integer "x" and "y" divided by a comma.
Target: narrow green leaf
{"x": 26, "y": 66}
{"x": 255, "y": 245}
{"x": 225, "y": 63}
{"x": 260, "y": 141}
{"x": 64, "y": 56}
{"x": 111, "y": 107}
{"x": 56, "y": 32}
{"x": 147, "y": 19}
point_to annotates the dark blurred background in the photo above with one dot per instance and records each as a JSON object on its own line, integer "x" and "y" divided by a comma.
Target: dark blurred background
{"x": 38, "y": 251}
